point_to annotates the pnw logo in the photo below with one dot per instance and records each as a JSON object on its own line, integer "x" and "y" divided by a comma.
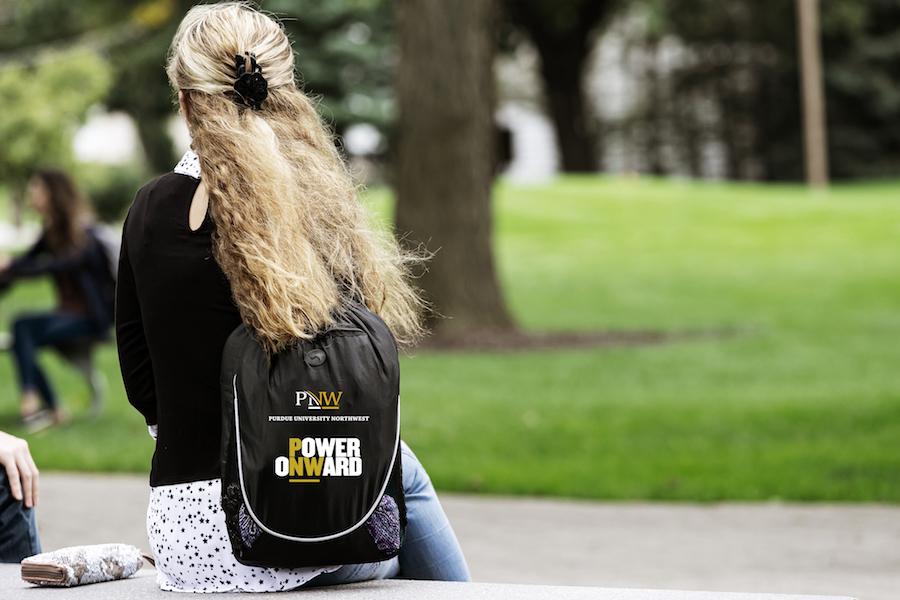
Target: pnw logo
{"x": 320, "y": 401}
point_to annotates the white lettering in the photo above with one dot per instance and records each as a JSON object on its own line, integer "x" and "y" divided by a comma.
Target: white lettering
{"x": 308, "y": 448}
{"x": 340, "y": 446}
{"x": 282, "y": 466}
{"x": 353, "y": 447}
{"x": 325, "y": 446}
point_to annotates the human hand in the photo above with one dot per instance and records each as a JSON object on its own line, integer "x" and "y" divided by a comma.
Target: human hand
{"x": 20, "y": 468}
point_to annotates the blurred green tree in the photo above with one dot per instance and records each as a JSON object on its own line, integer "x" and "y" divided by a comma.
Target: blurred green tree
{"x": 142, "y": 87}
{"x": 344, "y": 54}
{"x": 861, "y": 49}
{"x": 43, "y": 104}
{"x": 30, "y": 26}
{"x": 121, "y": 31}
{"x": 742, "y": 67}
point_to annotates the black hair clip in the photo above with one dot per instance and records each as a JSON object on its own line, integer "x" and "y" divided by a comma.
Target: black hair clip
{"x": 250, "y": 86}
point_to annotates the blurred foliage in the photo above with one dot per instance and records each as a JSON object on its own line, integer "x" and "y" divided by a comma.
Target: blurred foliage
{"x": 345, "y": 54}
{"x": 29, "y": 26}
{"x": 739, "y": 84}
{"x": 344, "y": 49}
{"x": 142, "y": 87}
{"x": 742, "y": 66}
{"x": 110, "y": 188}
{"x": 43, "y": 105}
{"x": 862, "y": 78}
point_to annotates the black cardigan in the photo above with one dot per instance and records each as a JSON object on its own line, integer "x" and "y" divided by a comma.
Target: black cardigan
{"x": 174, "y": 312}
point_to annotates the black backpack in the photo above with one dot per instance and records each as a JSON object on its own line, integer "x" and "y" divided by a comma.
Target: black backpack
{"x": 311, "y": 447}
{"x": 102, "y": 261}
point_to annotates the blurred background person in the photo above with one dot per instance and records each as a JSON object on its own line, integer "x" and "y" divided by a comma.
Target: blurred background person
{"x": 69, "y": 251}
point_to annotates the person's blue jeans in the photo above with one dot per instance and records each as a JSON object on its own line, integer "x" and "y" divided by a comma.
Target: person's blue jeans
{"x": 18, "y": 529}
{"x": 430, "y": 550}
{"x": 35, "y": 331}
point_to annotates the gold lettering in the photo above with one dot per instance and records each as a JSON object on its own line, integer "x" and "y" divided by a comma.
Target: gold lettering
{"x": 294, "y": 446}
{"x": 328, "y": 399}
{"x": 314, "y": 465}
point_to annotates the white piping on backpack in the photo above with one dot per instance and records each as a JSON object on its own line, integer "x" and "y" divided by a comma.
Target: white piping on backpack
{"x": 324, "y": 538}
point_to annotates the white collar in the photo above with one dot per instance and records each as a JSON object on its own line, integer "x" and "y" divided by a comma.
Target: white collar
{"x": 189, "y": 165}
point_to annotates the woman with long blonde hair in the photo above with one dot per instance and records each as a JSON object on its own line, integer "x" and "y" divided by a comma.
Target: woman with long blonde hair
{"x": 260, "y": 224}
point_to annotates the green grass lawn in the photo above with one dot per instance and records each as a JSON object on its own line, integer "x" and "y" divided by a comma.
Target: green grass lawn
{"x": 117, "y": 441}
{"x": 799, "y": 399}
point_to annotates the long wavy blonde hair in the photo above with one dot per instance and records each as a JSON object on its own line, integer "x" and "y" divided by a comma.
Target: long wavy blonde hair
{"x": 290, "y": 234}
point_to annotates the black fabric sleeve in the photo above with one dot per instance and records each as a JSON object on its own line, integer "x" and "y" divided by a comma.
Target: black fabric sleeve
{"x": 134, "y": 355}
{"x": 39, "y": 260}
{"x": 22, "y": 265}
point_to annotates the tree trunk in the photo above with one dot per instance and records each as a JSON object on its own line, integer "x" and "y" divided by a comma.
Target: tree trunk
{"x": 815, "y": 137}
{"x": 562, "y": 32}
{"x": 155, "y": 139}
{"x": 445, "y": 157}
{"x": 562, "y": 66}
{"x": 655, "y": 118}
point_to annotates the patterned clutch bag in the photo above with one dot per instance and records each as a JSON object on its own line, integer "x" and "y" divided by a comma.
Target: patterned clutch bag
{"x": 80, "y": 565}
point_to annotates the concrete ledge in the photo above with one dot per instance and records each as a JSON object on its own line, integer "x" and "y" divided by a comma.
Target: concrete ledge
{"x": 848, "y": 550}
{"x": 143, "y": 585}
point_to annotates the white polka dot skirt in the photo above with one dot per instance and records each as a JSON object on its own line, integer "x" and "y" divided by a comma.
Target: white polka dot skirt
{"x": 186, "y": 529}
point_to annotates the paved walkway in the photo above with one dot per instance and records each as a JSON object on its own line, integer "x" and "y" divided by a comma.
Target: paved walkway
{"x": 816, "y": 549}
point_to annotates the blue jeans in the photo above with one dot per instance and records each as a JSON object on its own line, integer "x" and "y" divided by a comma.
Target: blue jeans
{"x": 33, "y": 332}
{"x": 18, "y": 529}
{"x": 430, "y": 550}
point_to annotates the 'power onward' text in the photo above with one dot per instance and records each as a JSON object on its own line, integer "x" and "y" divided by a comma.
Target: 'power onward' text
{"x": 320, "y": 457}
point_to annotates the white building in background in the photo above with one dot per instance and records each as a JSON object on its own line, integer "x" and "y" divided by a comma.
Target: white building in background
{"x": 534, "y": 153}
{"x": 521, "y": 110}
{"x": 107, "y": 138}
{"x": 180, "y": 135}
{"x": 111, "y": 138}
